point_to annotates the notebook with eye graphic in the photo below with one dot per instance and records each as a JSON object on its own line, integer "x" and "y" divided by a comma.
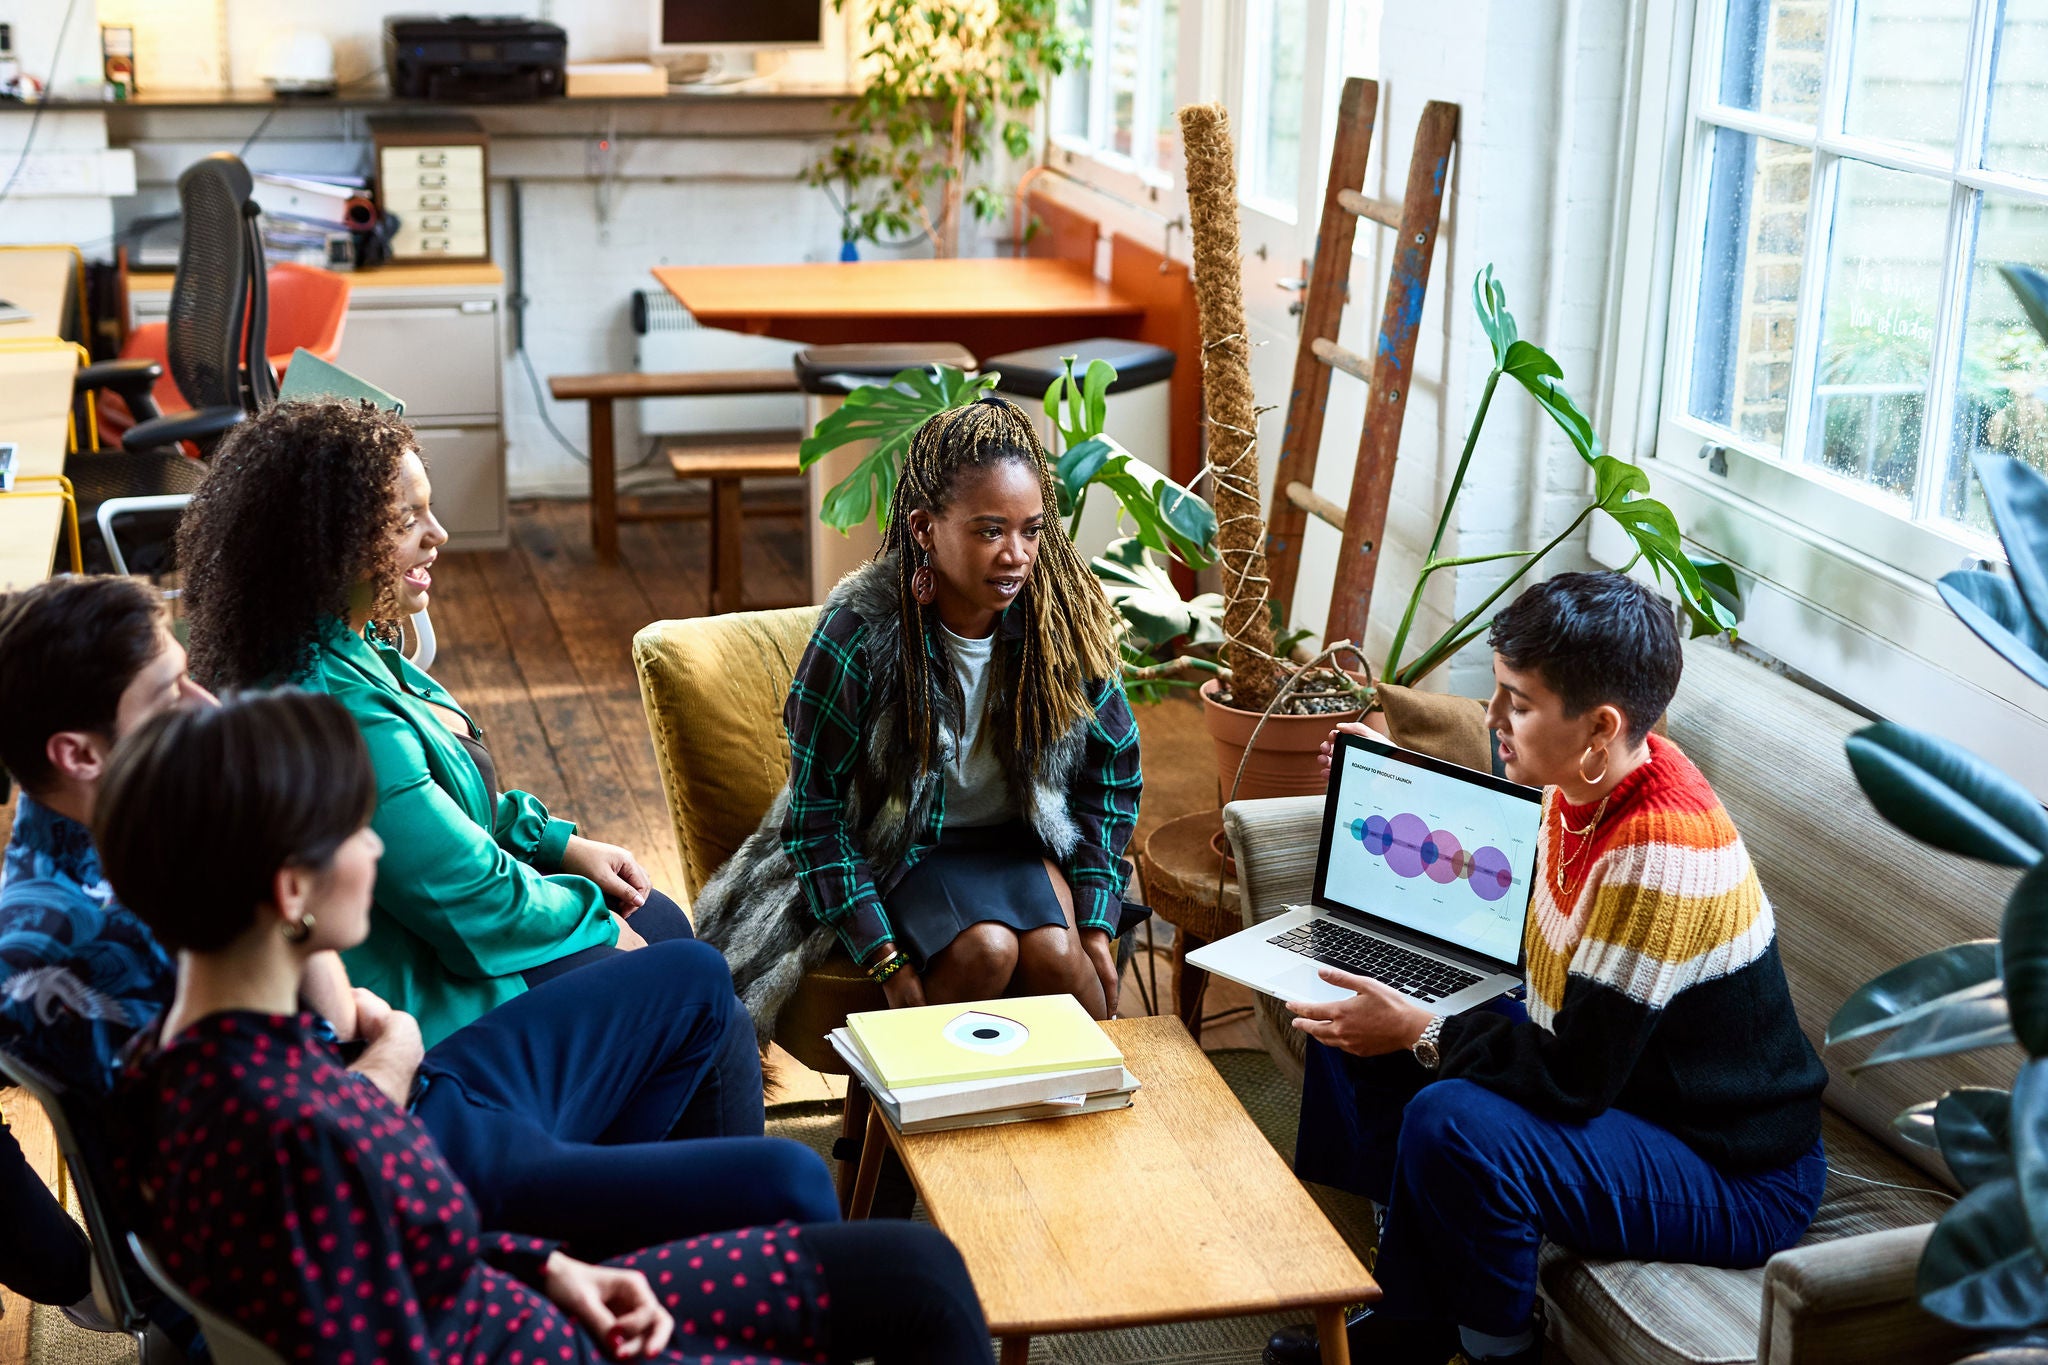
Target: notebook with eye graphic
{"x": 985, "y": 1040}
{"x": 1423, "y": 882}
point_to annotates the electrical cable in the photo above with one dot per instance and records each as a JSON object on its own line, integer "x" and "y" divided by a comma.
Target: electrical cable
{"x": 261, "y": 124}
{"x": 518, "y": 303}
{"x": 35, "y": 120}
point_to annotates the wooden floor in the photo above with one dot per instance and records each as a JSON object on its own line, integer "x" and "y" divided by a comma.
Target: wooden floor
{"x": 536, "y": 642}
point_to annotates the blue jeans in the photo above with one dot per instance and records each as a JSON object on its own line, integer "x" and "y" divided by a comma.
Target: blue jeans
{"x": 1473, "y": 1184}
{"x": 557, "y": 1109}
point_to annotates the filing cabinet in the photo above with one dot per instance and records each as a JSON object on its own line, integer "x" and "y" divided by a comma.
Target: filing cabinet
{"x": 432, "y": 175}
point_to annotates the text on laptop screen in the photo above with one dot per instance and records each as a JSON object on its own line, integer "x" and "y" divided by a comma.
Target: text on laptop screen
{"x": 1432, "y": 853}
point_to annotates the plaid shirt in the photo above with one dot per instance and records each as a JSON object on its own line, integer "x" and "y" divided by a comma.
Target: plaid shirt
{"x": 827, "y": 718}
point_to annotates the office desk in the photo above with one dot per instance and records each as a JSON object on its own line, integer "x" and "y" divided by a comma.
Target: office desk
{"x": 35, "y": 401}
{"x": 987, "y": 305}
{"x": 43, "y": 280}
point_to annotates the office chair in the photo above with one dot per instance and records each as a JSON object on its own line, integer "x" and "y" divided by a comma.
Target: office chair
{"x": 77, "y": 1139}
{"x": 218, "y": 324}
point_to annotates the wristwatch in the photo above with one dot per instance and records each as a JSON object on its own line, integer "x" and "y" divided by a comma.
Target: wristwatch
{"x": 1425, "y": 1046}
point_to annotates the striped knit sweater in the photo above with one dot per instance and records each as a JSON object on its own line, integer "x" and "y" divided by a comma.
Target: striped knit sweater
{"x": 1654, "y": 980}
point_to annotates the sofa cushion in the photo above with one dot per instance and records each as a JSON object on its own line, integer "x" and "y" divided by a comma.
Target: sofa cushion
{"x": 1646, "y": 1311}
{"x": 713, "y": 688}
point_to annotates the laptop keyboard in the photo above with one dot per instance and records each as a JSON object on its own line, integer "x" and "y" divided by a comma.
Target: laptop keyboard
{"x": 1335, "y": 945}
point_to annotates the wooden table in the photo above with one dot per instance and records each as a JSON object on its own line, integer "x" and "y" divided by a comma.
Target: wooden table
{"x": 1174, "y": 1209}
{"x": 1178, "y": 865}
{"x": 988, "y": 305}
{"x": 35, "y": 403}
{"x": 44, "y": 280}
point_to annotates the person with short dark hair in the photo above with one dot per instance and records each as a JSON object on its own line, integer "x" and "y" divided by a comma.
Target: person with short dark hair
{"x": 312, "y": 537}
{"x": 557, "y": 1109}
{"x": 334, "y": 1229}
{"x": 1655, "y": 1099}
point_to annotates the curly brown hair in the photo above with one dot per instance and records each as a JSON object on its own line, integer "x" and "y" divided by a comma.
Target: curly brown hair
{"x": 302, "y": 504}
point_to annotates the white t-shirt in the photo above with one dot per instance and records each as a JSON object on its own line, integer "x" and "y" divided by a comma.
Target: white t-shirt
{"x": 977, "y": 783}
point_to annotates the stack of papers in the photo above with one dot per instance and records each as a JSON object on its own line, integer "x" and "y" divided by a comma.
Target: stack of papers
{"x": 997, "y": 1061}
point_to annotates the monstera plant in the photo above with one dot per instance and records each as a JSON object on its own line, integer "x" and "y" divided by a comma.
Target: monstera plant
{"x": 1986, "y": 1264}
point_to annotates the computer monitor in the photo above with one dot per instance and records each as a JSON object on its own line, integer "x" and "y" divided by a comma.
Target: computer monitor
{"x": 729, "y": 32}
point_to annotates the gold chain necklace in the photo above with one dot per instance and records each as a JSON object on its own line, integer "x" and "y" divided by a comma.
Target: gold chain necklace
{"x": 1584, "y": 836}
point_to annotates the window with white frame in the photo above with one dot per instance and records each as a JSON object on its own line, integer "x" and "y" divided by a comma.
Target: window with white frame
{"x": 1119, "y": 107}
{"x": 1855, "y": 172}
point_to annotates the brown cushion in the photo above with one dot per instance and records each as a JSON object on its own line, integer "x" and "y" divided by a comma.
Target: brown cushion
{"x": 713, "y": 688}
{"x": 1434, "y": 723}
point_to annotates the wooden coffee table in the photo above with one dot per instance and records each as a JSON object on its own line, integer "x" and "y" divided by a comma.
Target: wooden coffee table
{"x": 1174, "y": 1209}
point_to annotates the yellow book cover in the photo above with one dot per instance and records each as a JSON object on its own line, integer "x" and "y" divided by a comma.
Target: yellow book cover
{"x": 981, "y": 1040}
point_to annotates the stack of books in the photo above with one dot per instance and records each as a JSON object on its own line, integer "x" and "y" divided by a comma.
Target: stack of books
{"x": 995, "y": 1061}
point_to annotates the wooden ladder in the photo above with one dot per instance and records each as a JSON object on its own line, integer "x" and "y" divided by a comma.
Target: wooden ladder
{"x": 1388, "y": 372}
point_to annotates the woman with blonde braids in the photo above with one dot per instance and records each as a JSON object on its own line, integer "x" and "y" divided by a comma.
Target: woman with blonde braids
{"x": 963, "y": 762}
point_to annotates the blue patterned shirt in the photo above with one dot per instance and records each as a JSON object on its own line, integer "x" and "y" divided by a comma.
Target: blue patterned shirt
{"x": 79, "y": 973}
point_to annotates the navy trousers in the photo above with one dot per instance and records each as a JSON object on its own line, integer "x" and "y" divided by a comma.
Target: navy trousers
{"x": 558, "y": 1108}
{"x": 1472, "y": 1184}
{"x": 658, "y": 920}
{"x": 44, "y": 1256}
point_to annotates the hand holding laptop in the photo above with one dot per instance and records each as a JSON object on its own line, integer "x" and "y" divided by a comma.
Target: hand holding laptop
{"x": 1377, "y": 1019}
{"x": 1349, "y": 727}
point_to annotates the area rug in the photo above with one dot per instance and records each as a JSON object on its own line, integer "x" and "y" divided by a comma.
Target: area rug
{"x": 1272, "y": 1101}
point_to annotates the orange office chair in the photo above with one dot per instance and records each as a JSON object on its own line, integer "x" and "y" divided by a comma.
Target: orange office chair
{"x": 308, "y": 307}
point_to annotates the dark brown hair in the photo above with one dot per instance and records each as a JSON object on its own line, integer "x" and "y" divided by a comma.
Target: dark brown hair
{"x": 200, "y": 809}
{"x": 68, "y": 650}
{"x": 1596, "y": 639}
{"x": 302, "y": 503}
{"x": 1069, "y": 634}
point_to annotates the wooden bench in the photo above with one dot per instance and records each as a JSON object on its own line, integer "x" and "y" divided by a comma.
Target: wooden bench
{"x": 726, "y": 460}
{"x": 601, "y": 390}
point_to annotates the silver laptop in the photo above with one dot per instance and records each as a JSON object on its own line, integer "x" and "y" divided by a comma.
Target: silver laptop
{"x": 1423, "y": 881}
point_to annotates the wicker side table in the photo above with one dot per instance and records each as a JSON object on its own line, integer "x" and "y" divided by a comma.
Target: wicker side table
{"x": 1179, "y": 867}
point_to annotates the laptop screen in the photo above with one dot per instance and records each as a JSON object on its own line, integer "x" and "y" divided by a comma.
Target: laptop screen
{"x": 1418, "y": 844}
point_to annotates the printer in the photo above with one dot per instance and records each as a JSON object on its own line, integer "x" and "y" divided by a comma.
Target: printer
{"x": 474, "y": 57}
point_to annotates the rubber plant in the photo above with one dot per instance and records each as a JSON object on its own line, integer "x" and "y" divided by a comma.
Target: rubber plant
{"x": 1706, "y": 588}
{"x": 1165, "y": 518}
{"x": 945, "y": 84}
{"x": 1986, "y": 1264}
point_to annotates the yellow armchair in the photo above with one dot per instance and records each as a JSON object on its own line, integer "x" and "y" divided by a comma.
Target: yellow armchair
{"x": 713, "y": 688}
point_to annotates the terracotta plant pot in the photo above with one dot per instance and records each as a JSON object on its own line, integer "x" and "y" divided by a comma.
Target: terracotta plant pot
{"x": 1283, "y": 763}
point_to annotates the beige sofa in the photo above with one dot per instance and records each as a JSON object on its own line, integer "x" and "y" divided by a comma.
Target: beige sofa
{"x": 1853, "y": 897}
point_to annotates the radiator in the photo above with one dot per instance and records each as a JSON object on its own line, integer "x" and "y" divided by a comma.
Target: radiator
{"x": 666, "y": 339}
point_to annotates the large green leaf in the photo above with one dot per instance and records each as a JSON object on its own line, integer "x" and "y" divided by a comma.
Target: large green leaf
{"x": 1491, "y": 301}
{"x": 1973, "y": 1128}
{"x": 1991, "y": 606}
{"x": 2018, "y": 496}
{"x": 1165, "y": 516}
{"x": 1532, "y": 367}
{"x": 2023, "y": 958}
{"x": 1944, "y": 795}
{"x": 1143, "y": 594}
{"x": 1080, "y": 408}
{"x": 1617, "y": 486}
{"x": 1981, "y": 1268}
{"x": 2032, "y": 287}
{"x": 2028, "y": 1144}
{"x": 889, "y": 415}
{"x": 1978, "y": 1019}
{"x": 1914, "y": 988}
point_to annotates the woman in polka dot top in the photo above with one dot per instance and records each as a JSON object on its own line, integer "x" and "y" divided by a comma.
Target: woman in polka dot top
{"x": 290, "y": 1194}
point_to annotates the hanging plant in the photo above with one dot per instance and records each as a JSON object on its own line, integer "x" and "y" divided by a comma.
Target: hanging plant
{"x": 945, "y": 85}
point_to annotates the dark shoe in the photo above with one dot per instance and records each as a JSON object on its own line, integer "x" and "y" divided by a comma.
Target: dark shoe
{"x": 1375, "y": 1340}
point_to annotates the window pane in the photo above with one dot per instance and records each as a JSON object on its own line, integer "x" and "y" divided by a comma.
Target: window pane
{"x": 2016, "y": 135}
{"x": 1126, "y": 30}
{"x": 1070, "y": 88}
{"x": 1165, "y": 65}
{"x": 1877, "y": 326}
{"x": 1281, "y": 65}
{"x": 1749, "y": 284}
{"x": 1906, "y": 71}
{"x": 2002, "y": 399}
{"x": 1772, "y": 58}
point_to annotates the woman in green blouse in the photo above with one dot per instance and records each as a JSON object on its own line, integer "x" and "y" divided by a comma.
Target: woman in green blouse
{"x": 315, "y": 525}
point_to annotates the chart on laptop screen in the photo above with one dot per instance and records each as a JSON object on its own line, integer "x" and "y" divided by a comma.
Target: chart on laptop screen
{"x": 1432, "y": 853}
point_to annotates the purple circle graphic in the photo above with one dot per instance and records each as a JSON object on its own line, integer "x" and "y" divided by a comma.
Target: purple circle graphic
{"x": 1491, "y": 874}
{"x": 1441, "y": 856}
{"x": 1372, "y": 832}
{"x": 1406, "y": 834}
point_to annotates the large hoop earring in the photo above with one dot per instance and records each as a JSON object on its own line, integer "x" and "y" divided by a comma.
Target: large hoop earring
{"x": 297, "y": 932}
{"x": 922, "y": 585}
{"x": 1605, "y": 760}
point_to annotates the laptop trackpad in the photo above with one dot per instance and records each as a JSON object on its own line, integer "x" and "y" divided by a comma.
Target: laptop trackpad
{"x": 1302, "y": 983}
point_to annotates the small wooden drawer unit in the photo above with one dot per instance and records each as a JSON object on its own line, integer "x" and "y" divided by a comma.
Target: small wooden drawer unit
{"x": 431, "y": 176}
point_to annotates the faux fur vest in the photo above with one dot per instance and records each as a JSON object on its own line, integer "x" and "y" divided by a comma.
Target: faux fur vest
{"x": 755, "y": 912}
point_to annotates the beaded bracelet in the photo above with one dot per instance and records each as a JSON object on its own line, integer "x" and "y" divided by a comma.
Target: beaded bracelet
{"x": 893, "y": 964}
